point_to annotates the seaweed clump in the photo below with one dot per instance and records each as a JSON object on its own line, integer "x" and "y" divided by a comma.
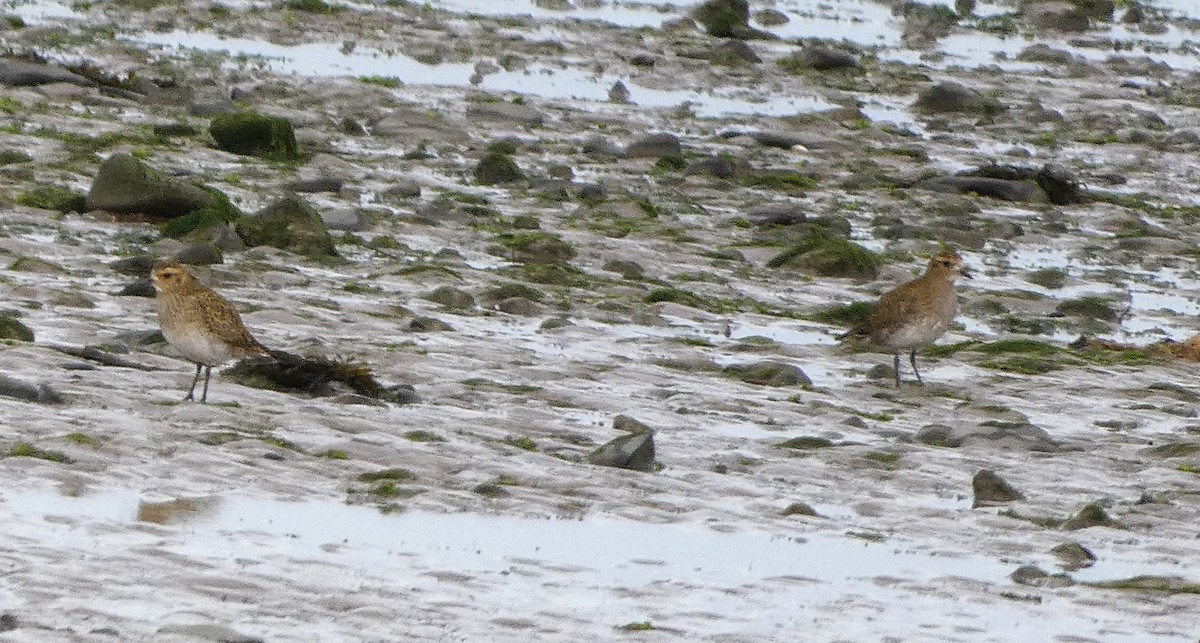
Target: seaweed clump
{"x": 319, "y": 376}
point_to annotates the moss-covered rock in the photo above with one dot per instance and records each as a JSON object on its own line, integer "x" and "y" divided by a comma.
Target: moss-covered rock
{"x": 768, "y": 374}
{"x": 496, "y": 168}
{"x": 538, "y": 248}
{"x": 828, "y": 255}
{"x": 450, "y": 297}
{"x": 126, "y": 185}
{"x": 219, "y": 212}
{"x": 723, "y": 18}
{"x": 12, "y": 328}
{"x": 990, "y": 488}
{"x": 252, "y": 134}
{"x": 289, "y": 224}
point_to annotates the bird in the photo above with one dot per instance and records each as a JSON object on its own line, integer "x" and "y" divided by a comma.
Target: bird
{"x": 200, "y": 324}
{"x": 914, "y": 314}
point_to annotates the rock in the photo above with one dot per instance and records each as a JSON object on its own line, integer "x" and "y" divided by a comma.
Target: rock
{"x": 1016, "y": 435}
{"x": 825, "y": 58}
{"x": 1092, "y": 515}
{"x": 200, "y": 254}
{"x": 219, "y": 233}
{"x": 1056, "y": 16}
{"x": 827, "y": 255}
{"x": 40, "y": 393}
{"x": 209, "y": 632}
{"x": 1043, "y": 53}
{"x": 139, "y": 288}
{"x": 505, "y": 112}
{"x": 252, "y": 134}
{"x": 13, "y": 328}
{"x": 126, "y": 185}
{"x": 137, "y": 265}
{"x": 35, "y": 265}
{"x": 1097, "y": 9}
{"x": 990, "y": 489}
{"x": 771, "y": 17}
{"x": 732, "y": 52}
{"x": 210, "y": 105}
{"x": 799, "y": 509}
{"x": 318, "y": 184}
{"x": 402, "y": 189}
{"x": 600, "y": 146}
{"x": 21, "y": 73}
{"x": 618, "y": 93}
{"x": 427, "y": 325}
{"x": 983, "y": 186}
{"x": 768, "y": 373}
{"x": 654, "y": 146}
{"x": 591, "y": 191}
{"x": 289, "y": 224}
{"x": 723, "y": 18}
{"x": 717, "y": 166}
{"x": 955, "y": 97}
{"x": 782, "y": 213}
{"x": 519, "y": 306}
{"x": 630, "y": 425}
{"x": 634, "y": 451}
{"x": 496, "y": 168}
{"x": 1073, "y": 556}
{"x": 450, "y": 297}
{"x": 781, "y": 140}
{"x": 625, "y": 268}
{"x": 1059, "y": 185}
{"x": 349, "y": 219}
{"x": 1033, "y": 576}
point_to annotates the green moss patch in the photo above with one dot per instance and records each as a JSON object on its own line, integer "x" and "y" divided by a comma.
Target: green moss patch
{"x": 27, "y": 450}
{"x": 250, "y": 133}
{"x": 394, "y": 475}
{"x": 806, "y": 443}
{"x": 829, "y": 256}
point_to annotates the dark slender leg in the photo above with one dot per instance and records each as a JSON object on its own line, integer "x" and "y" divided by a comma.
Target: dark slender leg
{"x": 896, "y": 363}
{"x": 912, "y": 357}
{"x": 192, "y": 391}
{"x": 207, "y": 374}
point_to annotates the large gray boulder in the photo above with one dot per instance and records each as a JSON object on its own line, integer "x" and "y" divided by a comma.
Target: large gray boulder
{"x": 126, "y": 185}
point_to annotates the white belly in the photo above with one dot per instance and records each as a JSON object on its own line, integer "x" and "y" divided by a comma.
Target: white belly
{"x": 200, "y": 347}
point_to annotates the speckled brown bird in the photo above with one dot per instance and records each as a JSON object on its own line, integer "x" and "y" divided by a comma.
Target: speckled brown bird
{"x": 199, "y": 323}
{"x": 914, "y": 314}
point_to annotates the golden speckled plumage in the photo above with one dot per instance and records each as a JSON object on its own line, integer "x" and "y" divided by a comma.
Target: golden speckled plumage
{"x": 914, "y": 314}
{"x": 199, "y": 323}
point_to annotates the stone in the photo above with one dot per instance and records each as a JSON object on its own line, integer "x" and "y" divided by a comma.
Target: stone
{"x": 1016, "y": 435}
{"x": 13, "y": 328}
{"x": 126, "y": 185}
{"x": 290, "y": 224}
{"x": 654, "y": 146}
{"x": 347, "y": 219}
{"x": 630, "y": 425}
{"x": 496, "y": 168}
{"x": 40, "y": 393}
{"x": 717, "y": 166}
{"x": 600, "y": 146}
{"x": 1005, "y": 190}
{"x": 634, "y": 451}
{"x": 200, "y": 254}
{"x": 826, "y": 58}
{"x": 402, "y": 189}
{"x": 21, "y": 73}
{"x": 427, "y": 325}
{"x": 955, "y": 97}
{"x": 249, "y": 133}
{"x": 768, "y": 373}
{"x": 136, "y": 266}
{"x": 450, "y": 297}
{"x": 1056, "y": 16}
{"x": 733, "y": 52}
{"x": 1073, "y": 556}
{"x": 1034, "y": 576}
{"x": 782, "y": 213}
{"x": 1091, "y": 515}
{"x": 626, "y": 268}
{"x": 990, "y": 489}
{"x": 519, "y": 306}
{"x": 722, "y": 18}
{"x": 139, "y": 288}
{"x": 505, "y": 112}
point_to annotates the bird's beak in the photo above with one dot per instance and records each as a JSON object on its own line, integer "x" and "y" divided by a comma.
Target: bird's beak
{"x": 966, "y": 273}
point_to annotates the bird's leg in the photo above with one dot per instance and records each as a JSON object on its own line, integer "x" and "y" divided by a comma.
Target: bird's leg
{"x": 192, "y": 391}
{"x": 207, "y": 374}
{"x": 896, "y": 365}
{"x": 912, "y": 357}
